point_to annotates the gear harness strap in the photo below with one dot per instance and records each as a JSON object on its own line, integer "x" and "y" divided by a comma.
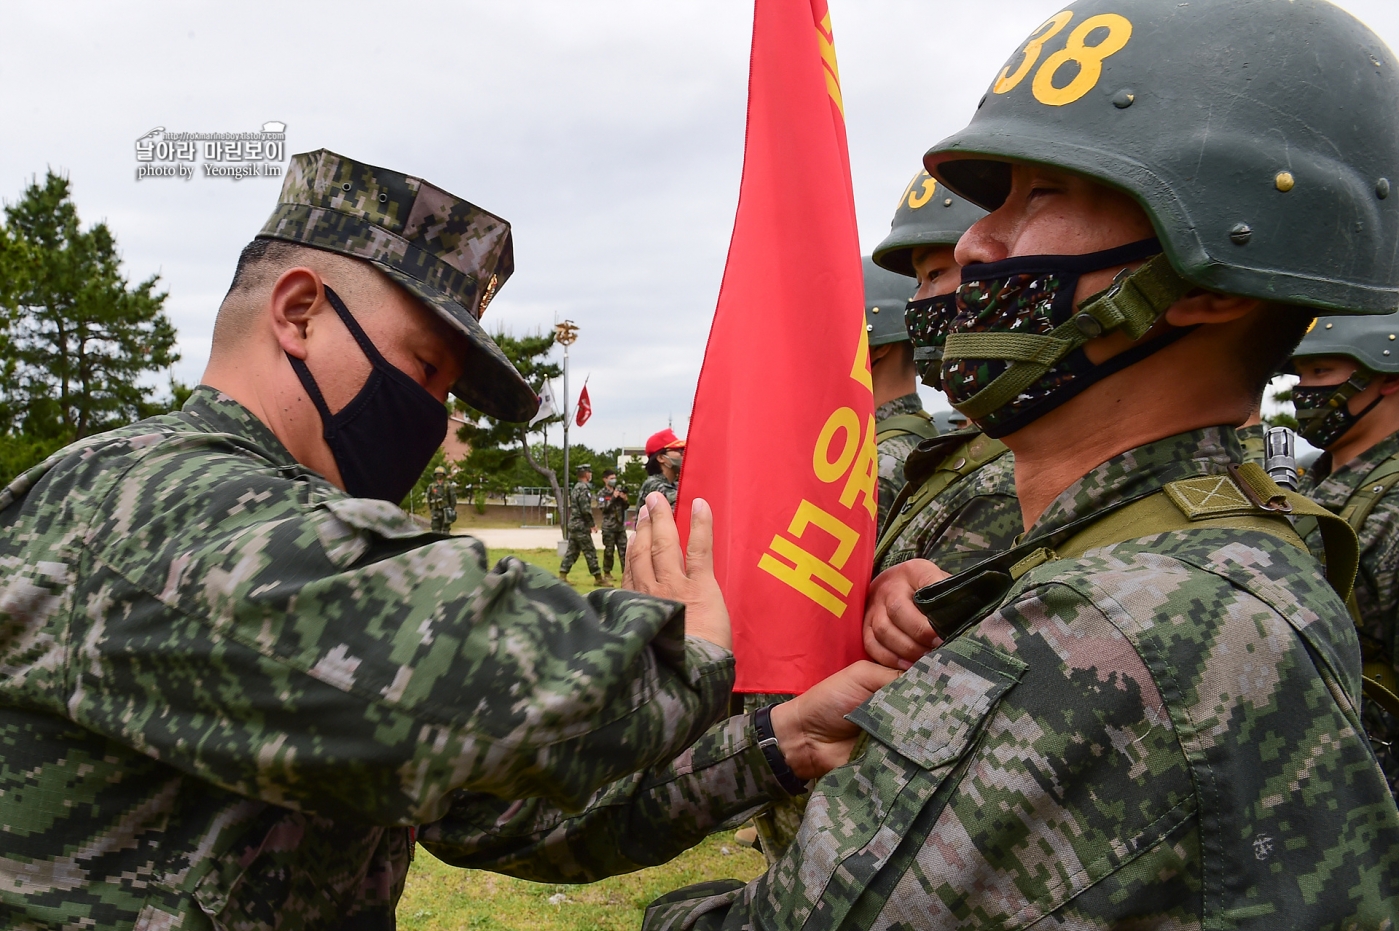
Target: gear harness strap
{"x": 964, "y": 459}
{"x": 919, "y": 425}
{"x": 1244, "y": 499}
{"x": 1134, "y": 302}
{"x": 1379, "y": 681}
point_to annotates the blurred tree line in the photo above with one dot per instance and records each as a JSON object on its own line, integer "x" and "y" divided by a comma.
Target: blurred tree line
{"x": 79, "y": 344}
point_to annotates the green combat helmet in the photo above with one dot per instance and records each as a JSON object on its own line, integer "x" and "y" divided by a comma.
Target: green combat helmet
{"x": 1373, "y": 342}
{"x": 928, "y": 215}
{"x": 1254, "y": 169}
{"x": 451, "y": 255}
{"x": 885, "y": 296}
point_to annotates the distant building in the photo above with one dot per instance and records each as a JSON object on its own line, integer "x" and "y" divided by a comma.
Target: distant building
{"x": 631, "y": 454}
{"x": 456, "y": 449}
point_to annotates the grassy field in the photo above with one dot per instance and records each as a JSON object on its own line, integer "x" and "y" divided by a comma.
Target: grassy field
{"x": 578, "y": 576}
{"x": 443, "y": 898}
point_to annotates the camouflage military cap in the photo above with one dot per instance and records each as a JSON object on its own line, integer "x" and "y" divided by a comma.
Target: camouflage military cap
{"x": 585, "y": 467}
{"x": 450, "y": 254}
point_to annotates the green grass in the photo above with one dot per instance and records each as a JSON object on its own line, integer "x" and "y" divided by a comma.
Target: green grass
{"x": 439, "y": 897}
{"x": 578, "y": 576}
{"x": 443, "y": 898}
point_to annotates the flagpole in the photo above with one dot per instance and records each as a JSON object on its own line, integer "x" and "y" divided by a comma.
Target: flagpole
{"x": 565, "y": 334}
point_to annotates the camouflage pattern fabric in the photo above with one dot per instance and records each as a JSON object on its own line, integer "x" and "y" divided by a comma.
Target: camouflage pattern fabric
{"x": 1377, "y": 583}
{"x": 441, "y": 495}
{"x": 449, "y": 253}
{"x": 614, "y": 526}
{"x": 1252, "y": 441}
{"x": 659, "y": 483}
{"x": 230, "y": 689}
{"x": 972, "y": 518}
{"x": 1159, "y": 733}
{"x": 580, "y": 530}
{"x": 894, "y": 450}
{"x": 642, "y": 820}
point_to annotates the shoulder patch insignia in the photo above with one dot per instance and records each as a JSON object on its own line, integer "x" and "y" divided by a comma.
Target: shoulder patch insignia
{"x": 1209, "y": 496}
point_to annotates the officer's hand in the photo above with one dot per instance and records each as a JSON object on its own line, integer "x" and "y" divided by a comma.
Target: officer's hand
{"x": 655, "y": 566}
{"x": 896, "y": 633}
{"x": 811, "y": 729}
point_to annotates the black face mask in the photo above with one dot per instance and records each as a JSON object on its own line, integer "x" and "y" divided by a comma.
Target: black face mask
{"x": 384, "y": 438}
{"x": 1022, "y": 310}
{"x": 927, "y": 321}
{"x": 1323, "y": 411}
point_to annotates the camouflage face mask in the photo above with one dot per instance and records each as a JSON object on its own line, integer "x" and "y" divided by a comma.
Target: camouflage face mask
{"x": 927, "y": 321}
{"x": 1014, "y": 350}
{"x": 1323, "y": 411}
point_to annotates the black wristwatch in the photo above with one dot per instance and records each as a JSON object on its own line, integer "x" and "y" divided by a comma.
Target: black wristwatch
{"x": 767, "y": 742}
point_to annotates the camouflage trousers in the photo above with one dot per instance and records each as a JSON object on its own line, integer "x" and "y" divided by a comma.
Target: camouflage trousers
{"x": 614, "y": 538}
{"x": 579, "y": 541}
{"x": 439, "y": 521}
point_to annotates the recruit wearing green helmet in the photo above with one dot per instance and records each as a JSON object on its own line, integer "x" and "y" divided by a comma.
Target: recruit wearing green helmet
{"x": 1323, "y": 414}
{"x": 928, "y": 215}
{"x": 1257, "y": 175}
{"x": 885, "y": 296}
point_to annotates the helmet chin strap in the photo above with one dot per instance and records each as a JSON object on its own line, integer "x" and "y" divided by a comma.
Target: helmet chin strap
{"x": 1134, "y": 302}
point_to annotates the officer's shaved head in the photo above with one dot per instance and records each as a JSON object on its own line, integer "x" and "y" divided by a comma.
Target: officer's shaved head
{"x": 260, "y": 265}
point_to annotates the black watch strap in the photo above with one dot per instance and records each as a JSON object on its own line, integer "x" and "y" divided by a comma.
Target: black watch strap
{"x": 767, "y": 742}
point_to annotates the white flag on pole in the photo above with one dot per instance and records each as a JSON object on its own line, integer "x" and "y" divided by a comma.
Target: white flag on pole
{"x": 547, "y": 408}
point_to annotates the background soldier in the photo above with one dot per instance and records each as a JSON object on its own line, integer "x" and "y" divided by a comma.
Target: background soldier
{"x": 1348, "y": 404}
{"x": 442, "y": 501}
{"x": 1144, "y": 715}
{"x": 900, "y": 423}
{"x": 580, "y": 528}
{"x": 612, "y": 501}
{"x": 225, "y": 642}
{"x": 665, "y": 454}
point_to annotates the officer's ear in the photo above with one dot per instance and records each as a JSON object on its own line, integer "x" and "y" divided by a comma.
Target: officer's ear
{"x": 295, "y": 303}
{"x": 1388, "y": 385}
{"x": 1206, "y": 307}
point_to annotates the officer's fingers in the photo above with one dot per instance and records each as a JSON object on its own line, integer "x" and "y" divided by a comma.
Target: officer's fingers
{"x": 664, "y": 550}
{"x": 699, "y": 551}
{"x": 639, "y": 572}
{"x": 904, "y": 615}
{"x": 878, "y": 651}
{"x": 892, "y": 638}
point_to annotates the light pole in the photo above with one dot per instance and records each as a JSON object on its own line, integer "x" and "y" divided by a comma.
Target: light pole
{"x": 565, "y": 334}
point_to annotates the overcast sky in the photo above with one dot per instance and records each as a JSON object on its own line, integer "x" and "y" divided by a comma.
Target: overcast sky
{"x": 609, "y": 133}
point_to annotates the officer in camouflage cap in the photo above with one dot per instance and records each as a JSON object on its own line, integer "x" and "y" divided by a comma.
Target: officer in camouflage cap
{"x": 1348, "y": 403}
{"x": 231, "y": 688}
{"x": 580, "y": 527}
{"x": 1146, "y": 714}
{"x": 900, "y": 421}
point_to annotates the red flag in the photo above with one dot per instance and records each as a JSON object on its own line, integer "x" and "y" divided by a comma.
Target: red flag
{"x": 585, "y": 407}
{"x": 781, "y": 441}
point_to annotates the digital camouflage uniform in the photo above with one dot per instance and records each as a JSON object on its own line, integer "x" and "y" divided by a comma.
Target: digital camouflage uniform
{"x": 441, "y": 495}
{"x": 614, "y": 526}
{"x": 1158, "y": 733}
{"x": 1252, "y": 440}
{"x": 230, "y": 688}
{"x": 1377, "y": 583}
{"x": 895, "y": 443}
{"x": 580, "y": 529}
{"x": 659, "y": 482}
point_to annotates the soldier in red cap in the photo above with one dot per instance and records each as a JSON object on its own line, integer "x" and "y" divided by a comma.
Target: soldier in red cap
{"x": 665, "y": 453}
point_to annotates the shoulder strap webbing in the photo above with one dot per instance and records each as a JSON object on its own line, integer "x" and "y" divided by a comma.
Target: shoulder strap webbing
{"x": 1377, "y": 484}
{"x": 1245, "y": 499}
{"x": 919, "y": 425}
{"x": 963, "y": 460}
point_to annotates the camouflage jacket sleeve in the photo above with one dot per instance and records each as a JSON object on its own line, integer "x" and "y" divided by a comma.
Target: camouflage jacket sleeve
{"x": 643, "y": 820}
{"x": 581, "y": 506}
{"x": 252, "y": 625}
{"x": 1139, "y": 743}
